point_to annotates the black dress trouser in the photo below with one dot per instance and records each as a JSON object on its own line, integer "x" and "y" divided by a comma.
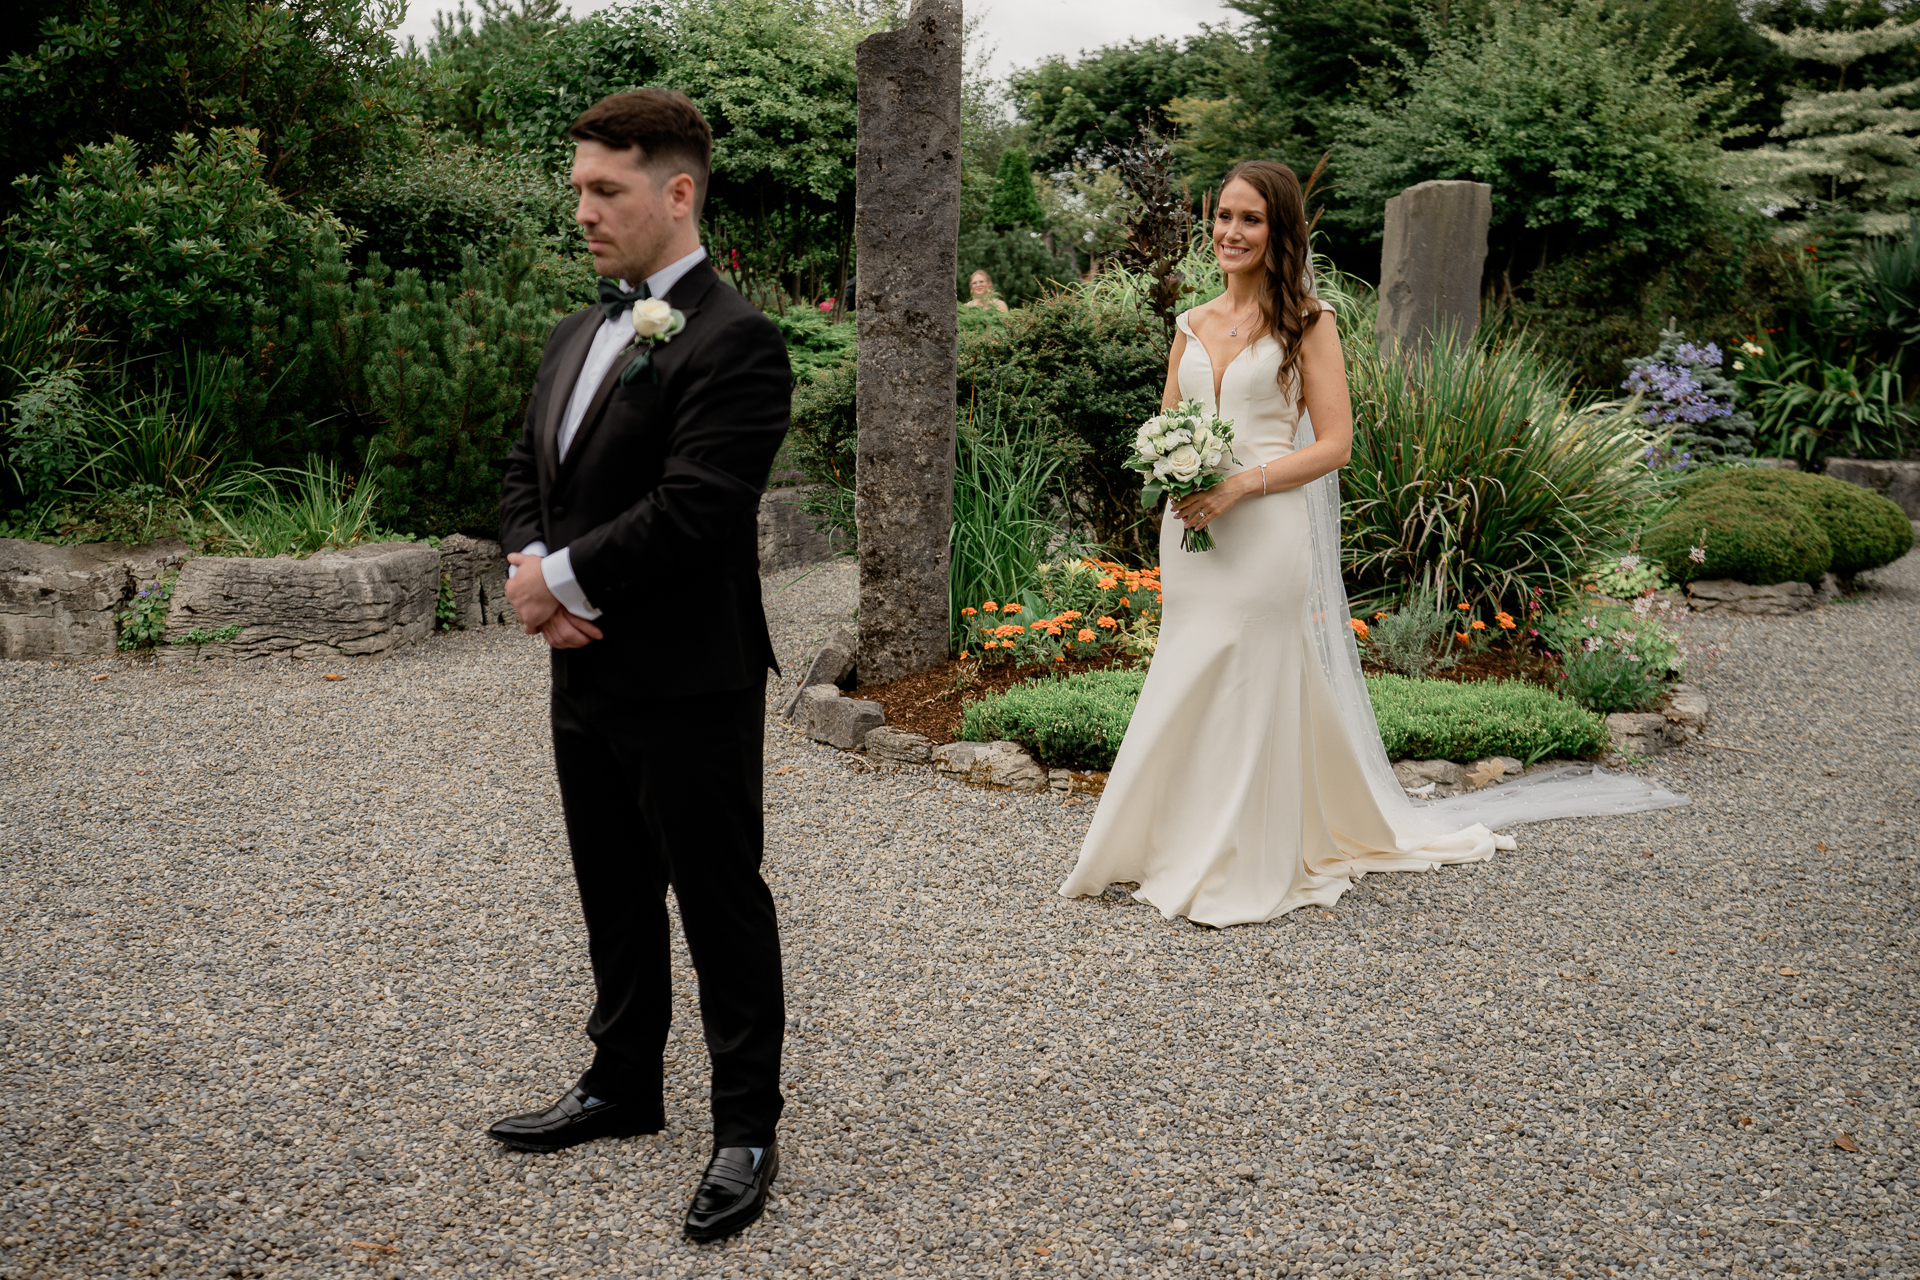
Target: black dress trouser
{"x": 659, "y": 793}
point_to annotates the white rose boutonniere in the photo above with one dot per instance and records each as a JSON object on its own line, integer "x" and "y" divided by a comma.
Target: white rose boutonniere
{"x": 654, "y": 322}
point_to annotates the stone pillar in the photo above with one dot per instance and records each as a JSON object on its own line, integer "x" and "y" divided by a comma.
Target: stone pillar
{"x": 1431, "y": 258}
{"x": 906, "y": 232}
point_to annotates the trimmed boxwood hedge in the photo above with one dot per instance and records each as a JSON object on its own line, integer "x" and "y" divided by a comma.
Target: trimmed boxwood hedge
{"x": 1079, "y": 721}
{"x": 1750, "y": 535}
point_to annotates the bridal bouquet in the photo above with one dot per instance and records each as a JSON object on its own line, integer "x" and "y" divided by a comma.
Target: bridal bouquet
{"x": 1182, "y": 450}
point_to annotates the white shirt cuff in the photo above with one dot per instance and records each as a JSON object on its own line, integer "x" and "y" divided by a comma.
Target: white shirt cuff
{"x": 535, "y": 548}
{"x": 557, "y": 569}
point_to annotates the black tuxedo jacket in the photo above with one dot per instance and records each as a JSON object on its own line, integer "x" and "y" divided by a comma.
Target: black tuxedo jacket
{"x": 659, "y": 495}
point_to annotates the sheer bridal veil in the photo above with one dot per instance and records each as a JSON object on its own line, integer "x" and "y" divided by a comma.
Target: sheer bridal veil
{"x": 1572, "y": 792}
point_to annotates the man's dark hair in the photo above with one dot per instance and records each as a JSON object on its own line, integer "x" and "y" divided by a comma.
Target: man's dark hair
{"x": 672, "y": 135}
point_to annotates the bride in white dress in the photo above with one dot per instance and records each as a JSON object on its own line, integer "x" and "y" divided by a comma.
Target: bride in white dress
{"x": 1252, "y": 780}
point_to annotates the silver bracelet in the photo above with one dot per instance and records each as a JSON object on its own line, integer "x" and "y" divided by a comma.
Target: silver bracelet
{"x": 1263, "y": 479}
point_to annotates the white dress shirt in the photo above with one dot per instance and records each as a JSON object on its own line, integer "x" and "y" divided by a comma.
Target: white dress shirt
{"x": 608, "y": 343}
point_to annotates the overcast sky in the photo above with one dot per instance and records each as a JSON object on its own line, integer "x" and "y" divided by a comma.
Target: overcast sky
{"x": 1024, "y": 31}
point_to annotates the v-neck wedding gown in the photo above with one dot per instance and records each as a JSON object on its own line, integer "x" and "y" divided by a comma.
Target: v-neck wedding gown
{"x": 1238, "y": 795}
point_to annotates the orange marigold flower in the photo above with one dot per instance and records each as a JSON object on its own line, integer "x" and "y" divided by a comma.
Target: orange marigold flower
{"x": 1106, "y": 584}
{"x": 1014, "y": 608}
{"x": 1125, "y": 603}
{"x": 990, "y": 606}
{"x": 1461, "y": 636}
{"x": 991, "y": 644}
{"x": 968, "y": 612}
{"x": 964, "y": 655}
{"x": 1379, "y": 615}
{"x": 1459, "y": 606}
{"x": 1087, "y": 635}
{"x": 1359, "y": 627}
{"x": 1059, "y": 657}
{"x": 1108, "y": 623}
{"x": 1070, "y": 615}
{"x": 1053, "y": 631}
{"x": 1506, "y": 624}
{"x": 1479, "y": 625}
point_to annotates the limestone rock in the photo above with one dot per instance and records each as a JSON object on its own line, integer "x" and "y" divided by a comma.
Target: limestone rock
{"x": 1687, "y": 710}
{"x": 1724, "y": 595}
{"x": 1642, "y": 733}
{"x": 788, "y": 538}
{"x": 832, "y": 663}
{"x": 1431, "y": 256}
{"x": 991, "y": 764}
{"x": 59, "y": 602}
{"x": 1415, "y": 773}
{"x": 1074, "y": 782}
{"x": 1897, "y": 481}
{"x": 897, "y": 746}
{"x": 356, "y": 602}
{"x": 476, "y": 570}
{"x": 906, "y": 225}
{"x": 840, "y": 722}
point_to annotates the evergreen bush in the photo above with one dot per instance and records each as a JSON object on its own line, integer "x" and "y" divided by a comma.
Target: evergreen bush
{"x": 1756, "y": 535}
{"x": 1442, "y": 720}
{"x": 1071, "y": 722}
{"x": 1864, "y": 529}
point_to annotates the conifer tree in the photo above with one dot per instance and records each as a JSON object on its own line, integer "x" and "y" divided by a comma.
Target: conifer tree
{"x": 1847, "y": 150}
{"x": 1015, "y": 203}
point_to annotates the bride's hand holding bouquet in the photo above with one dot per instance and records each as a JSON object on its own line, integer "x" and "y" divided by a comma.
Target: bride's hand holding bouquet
{"x": 1184, "y": 451}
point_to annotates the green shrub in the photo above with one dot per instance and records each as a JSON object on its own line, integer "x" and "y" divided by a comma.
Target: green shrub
{"x": 1474, "y": 476}
{"x": 814, "y": 342}
{"x": 423, "y": 203}
{"x": 1072, "y": 722}
{"x": 1752, "y": 535}
{"x": 174, "y": 254}
{"x": 1412, "y": 640}
{"x": 1865, "y": 529}
{"x": 1608, "y": 680}
{"x": 1441, "y": 720}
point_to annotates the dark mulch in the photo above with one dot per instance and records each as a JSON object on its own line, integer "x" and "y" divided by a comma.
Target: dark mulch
{"x": 1492, "y": 664}
{"x": 933, "y": 702}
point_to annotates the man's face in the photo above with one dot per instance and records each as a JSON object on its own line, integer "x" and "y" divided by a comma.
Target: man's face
{"x": 629, "y": 221}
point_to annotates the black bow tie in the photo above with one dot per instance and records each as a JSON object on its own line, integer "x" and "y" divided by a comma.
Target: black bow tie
{"x": 614, "y": 299}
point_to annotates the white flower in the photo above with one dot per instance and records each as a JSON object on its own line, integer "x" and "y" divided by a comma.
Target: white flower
{"x": 1697, "y": 554}
{"x": 1738, "y": 365}
{"x": 653, "y": 318}
{"x": 1183, "y": 464}
{"x": 1629, "y": 563}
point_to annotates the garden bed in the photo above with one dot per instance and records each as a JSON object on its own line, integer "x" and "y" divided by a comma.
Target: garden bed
{"x": 933, "y": 702}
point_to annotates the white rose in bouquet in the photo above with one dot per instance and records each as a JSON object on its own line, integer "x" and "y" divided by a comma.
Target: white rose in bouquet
{"x": 1183, "y": 464}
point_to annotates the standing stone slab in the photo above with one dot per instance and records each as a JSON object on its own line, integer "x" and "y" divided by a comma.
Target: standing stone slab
{"x": 60, "y": 602}
{"x": 336, "y": 604}
{"x": 1431, "y": 257}
{"x": 906, "y": 234}
{"x": 476, "y": 572}
{"x": 788, "y": 537}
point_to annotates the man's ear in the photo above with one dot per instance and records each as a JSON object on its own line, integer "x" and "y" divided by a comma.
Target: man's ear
{"x": 679, "y": 193}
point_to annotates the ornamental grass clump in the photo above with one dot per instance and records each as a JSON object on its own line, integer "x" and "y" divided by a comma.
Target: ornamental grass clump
{"x": 1075, "y": 721}
{"x": 1474, "y": 476}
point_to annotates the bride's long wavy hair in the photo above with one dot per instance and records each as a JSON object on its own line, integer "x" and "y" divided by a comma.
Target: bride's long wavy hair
{"x": 1288, "y": 302}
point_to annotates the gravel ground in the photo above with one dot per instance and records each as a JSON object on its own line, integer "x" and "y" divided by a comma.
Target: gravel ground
{"x": 277, "y": 948}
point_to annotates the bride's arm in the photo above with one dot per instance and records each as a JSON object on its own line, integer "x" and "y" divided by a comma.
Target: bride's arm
{"x": 1323, "y": 378}
{"x": 1171, "y": 396}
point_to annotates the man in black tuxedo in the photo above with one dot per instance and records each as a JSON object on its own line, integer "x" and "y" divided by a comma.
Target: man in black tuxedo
{"x": 630, "y": 504}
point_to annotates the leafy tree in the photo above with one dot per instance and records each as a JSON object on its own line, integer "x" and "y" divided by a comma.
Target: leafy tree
{"x": 175, "y": 254}
{"x": 1848, "y": 151}
{"x": 1075, "y": 111}
{"x": 1014, "y": 202}
{"x": 315, "y": 79}
{"x": 463, "y": 54}
{"x": 1584, "y": 138}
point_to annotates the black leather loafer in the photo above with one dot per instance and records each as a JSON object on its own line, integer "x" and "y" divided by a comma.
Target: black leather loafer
{"x": 571, "y": 1121}
{"x": 732, "y": 1194}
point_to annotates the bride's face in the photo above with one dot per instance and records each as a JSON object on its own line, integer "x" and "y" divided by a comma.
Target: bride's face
{"x": 1240, "y": 229}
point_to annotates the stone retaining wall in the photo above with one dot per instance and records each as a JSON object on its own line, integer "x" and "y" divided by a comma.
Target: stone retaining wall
{"x": 334, "y": 604}
{"x": 59, "y": 602}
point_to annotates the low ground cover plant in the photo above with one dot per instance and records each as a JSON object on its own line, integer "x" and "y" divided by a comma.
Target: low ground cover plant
{"x": 1075, "y": 722}
{"x": 1445, "y": 720}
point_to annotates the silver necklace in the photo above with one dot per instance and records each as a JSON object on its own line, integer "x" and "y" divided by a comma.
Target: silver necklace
{"x": 1235, "y": 331}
